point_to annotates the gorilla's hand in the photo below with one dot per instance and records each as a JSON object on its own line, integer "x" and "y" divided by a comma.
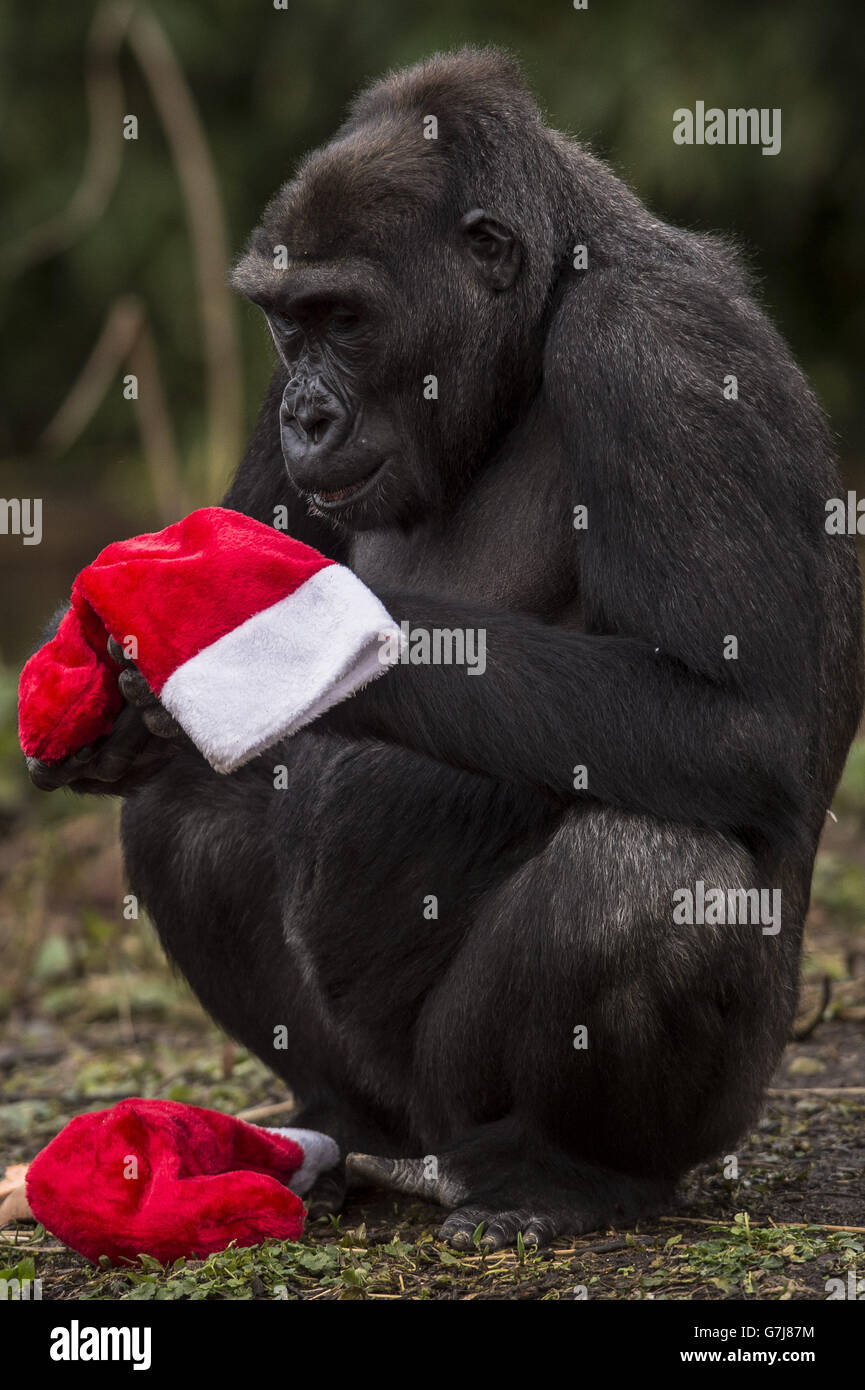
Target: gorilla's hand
{"x": 143, "y": 737}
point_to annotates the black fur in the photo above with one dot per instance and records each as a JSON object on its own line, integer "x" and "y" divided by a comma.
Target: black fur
{"x": 304, "y": 907}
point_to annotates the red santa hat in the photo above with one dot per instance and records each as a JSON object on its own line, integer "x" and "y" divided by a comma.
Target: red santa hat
{"x": 245, "y": 635}
{"x": 159, "y": 1178}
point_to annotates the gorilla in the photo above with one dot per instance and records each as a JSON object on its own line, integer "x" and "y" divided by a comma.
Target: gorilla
{"x": 516, "y": 403}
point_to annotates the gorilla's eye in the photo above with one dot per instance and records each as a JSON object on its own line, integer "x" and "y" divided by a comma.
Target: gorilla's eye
{"x": 343, "y": 321}
{"x": 283, "y": 325}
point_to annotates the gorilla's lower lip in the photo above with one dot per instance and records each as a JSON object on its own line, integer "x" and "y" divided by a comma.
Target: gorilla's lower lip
{"x": 340, "y": 497}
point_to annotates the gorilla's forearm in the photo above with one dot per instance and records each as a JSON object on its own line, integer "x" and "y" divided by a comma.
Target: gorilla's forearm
{"x": 652, "y": 736}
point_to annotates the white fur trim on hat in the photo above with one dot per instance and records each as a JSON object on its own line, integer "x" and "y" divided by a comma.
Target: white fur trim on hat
{"x": 320, "y": 1152}
{"x": 281, "y": 668}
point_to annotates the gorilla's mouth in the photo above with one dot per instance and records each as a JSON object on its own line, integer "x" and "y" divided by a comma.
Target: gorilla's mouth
{"x": 341, "y": 496}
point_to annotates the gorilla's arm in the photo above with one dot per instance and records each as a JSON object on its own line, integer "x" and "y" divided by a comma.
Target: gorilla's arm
{"x": 696, "y": 506}
{"x": 653, "y": 736}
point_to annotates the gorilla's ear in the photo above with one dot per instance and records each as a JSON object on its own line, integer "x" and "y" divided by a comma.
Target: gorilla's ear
{"x": 492, "y": 250}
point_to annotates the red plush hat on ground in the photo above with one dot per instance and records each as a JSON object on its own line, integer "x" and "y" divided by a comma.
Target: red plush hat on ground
{"x": 244, "y": 634}
{"x": 159, "y": 1178}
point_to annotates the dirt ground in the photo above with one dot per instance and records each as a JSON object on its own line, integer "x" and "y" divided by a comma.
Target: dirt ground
{"x": 89, "y": 1014}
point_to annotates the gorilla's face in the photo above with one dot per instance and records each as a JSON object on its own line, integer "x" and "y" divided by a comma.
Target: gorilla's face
{"x": 342, "y": 447}
{"x": 389, "y": 311}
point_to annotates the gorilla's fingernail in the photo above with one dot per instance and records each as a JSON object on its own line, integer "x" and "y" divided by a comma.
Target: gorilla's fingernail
{"x": 461, "y": 1240}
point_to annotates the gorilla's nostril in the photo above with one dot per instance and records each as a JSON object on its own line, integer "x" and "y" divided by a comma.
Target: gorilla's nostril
{"x": 311, "y": 423}
{"x": 308, "y": 429}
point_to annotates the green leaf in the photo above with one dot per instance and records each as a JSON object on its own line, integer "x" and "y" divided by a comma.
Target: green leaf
{"x": 150, "y": 1264}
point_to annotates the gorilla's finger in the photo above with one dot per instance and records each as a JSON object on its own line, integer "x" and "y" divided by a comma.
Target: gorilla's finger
{"x": 116, "y": 652}
{"x": 102, "y": 761}
{"x": 134, "y": 688}
{"x": 48, "y": 776}
{"x": 80, "y": 756}
{"x": 113, "y": 756}
{"x": 160, "y": 722}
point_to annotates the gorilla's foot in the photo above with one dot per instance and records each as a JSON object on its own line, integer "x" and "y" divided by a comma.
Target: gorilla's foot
{"x": 542, "y": 1198}
{"x": 537, "y": 1226}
